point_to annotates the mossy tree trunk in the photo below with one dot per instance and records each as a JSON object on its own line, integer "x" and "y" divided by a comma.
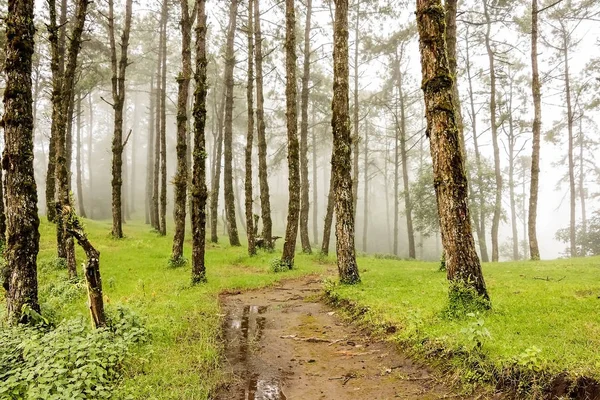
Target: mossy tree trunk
{"x": 181, "y": 178}
{"x": 304, "y": 182}
{"x": 534, "y": 250}
{"x": 450, "y": 180}
{"x": 265, "y": 201}
{"x": 20, "y": 280}
{"x": 232, "y": 230}
{"x": 250, "y": 136}
{"x": 342, "y": 144}
{"x": 293, "y": 213}
{"x": 199, "y": 193}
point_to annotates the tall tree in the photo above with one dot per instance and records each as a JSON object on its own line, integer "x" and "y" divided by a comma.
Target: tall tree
{"x": 234, "y": 239}
{"x": 23, "y": 238}
{"x": 355, "y": 113}
{"x": 291, "y": 231}
{"x": 304, "y": 183}
{"x": 181, "y": 179}
{"x": 78, "y": 159}
{"x": 250, "y": 136}
{"x": 450, "y": 178}
{"x": 150, "y": 157}
{"x": 199, "y": 193}
{"x": 155, "y": 208}
{"x": 118, "y": 94}
{"x": 163, "y": 122}
{"x": 534, "y": 249}
{"x": 342, "y": 141}
{"x": 265, "y": 201}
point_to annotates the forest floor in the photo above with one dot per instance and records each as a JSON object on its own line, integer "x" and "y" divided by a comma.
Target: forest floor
{"x": 283, "y": 343}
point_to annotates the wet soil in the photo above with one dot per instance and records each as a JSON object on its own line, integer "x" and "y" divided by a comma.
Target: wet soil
{"x": 282, "y": 344}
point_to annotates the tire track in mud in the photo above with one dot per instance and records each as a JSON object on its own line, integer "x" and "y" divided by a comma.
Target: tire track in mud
{"x": 283, "y": 344}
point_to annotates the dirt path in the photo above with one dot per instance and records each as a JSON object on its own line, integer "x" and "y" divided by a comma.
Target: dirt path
{"x": 283, "y": 344}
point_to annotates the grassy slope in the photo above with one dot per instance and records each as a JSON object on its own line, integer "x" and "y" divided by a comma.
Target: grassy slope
{"x": 560, "y": 316}
{"x": 183, "y": 358}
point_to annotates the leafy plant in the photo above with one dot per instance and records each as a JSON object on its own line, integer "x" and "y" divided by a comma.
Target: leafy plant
{"x": 476, "y": 332}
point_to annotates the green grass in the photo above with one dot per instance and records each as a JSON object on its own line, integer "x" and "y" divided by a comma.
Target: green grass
{"x": 182, "y": 360}
{"x": 545, "y": 316}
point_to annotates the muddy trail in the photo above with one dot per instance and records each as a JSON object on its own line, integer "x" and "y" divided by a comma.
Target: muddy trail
{"x": 282, "y": 344}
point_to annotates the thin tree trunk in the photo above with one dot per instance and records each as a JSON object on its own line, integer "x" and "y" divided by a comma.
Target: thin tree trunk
{"x": 572, "y": 190}
{"x": 150, "y": 157}
{"x": 342, "y": 141}
{"x": 89, "y": 157}
{"x": 155, "y": 209}
{"x": 163, "y": 125}
{"x": 511, "y": 175}
{"x": 355, "y": 122}
{"x": 118, "y": 93}
{"x": 214, "y": 193}
{"x": 199, "y": 193}
{"x": 234, "y": 239}
{"x": 291, "y": 231}
{"x": 404, "y": 159}
{"x": 396, "y": 171}
{"x": 315, "y": 205}
{"x": 366, "y": 190}
{"x": 329, "y": 212}
{"x": 20, "y": 273}
{"x": 265, "y": 202}
{"x": 494, "y": 129}
{"x": 582, "y": 190}
{"x": 304, "y": 183}
{"x": 250, "y": 136}
{"x": 462, "y": 262}
{"x": 181, "y": 178}
{"x": 78, "y": 161}
{"x": 534, "y": 250}
{"x": 2, "y": 211}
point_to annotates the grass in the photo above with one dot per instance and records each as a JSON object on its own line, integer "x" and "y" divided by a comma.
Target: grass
{"x": 545, "y": 316}
{"x": 182, "y": 360}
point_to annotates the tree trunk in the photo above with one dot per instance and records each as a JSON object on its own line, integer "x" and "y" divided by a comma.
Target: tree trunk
{"x": 366, "y": 190}
{"x": 534, "y": 249}
{"x": 181, "y": 179}
{"x": 199, "y": 193}
{"x": 494, "y": 129}
{"x": 149, "y": 157}
{"x": 214, "y": 192}
{"x": 404, "y": 158}
{"x": 155, "y": 209}
{"x": 329, "y": 212}
{"x": 342, "y": 142}
{"x": 78, "y": 161}
{"x": 511, "y": 175}
{"x": 304, "y": 183}
{"x": 481, "y": 218}
{"x": 291, "y": 231}
{"x": 163, "y": 125}
{"x": 450, "y": 180}
{"x": 250, "y": 136}
{"x": 118, "y": 93}
{"x": 265, "y": 202}
{"x": 315, "y": 205}
{"x": 2, "y": 213}
{"x": 355, "y": 139}
{"x": 89, "y": 157}
{"x": 23, "y": 238}
{"x": 396, "y": 171}
{"x": 572, "y": 190}
{"x": 582, "y": 189}
{"x": 234, "y": 239}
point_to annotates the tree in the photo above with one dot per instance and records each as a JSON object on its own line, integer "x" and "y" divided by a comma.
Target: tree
{"x": 199, "y": 193}
{"x": 250, "y": 137}
{"x": 118, "y": 93}
{"x": 304, "y": 183}
{"x": 23, "y": 237}
{"x": 163, "y": 122}
{"x": 342, "y": 143}
{"x": 181, "y": 178}
{"x": 265, "y": 202}
{"x": 234, "y": 239}
{"x": 78, "y": 146}
{"x": 450, "y": 181}
{"x": 291, "y": 231}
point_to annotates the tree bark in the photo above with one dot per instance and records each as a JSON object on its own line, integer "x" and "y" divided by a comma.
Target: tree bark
{"x": 91, "y": 268}
{"x": 572, "y": 189}
{"x": 234, "y": 239}
{"x": 163, "y": 125}
{"x": 149, "y": 157}
{"x": 291, "y": 231}
{"x": 89, "y": 157}
{"x": 181, "y": 178}
{"x": 304, "y": 183}
{"x": 329, "y": 212}
{"x": 342, "y": 142}
{"x": 155, "y": 209}
{"x": 2, "y": 213}
{"x": 582, "y": 189}
{"x": 450, "y": 180}
{"x": 494, "y": 129}
{"x": 118, "y": 94}
{"x": 366, "y": 190}
{"x": 315, "y": 204}
{"x": 20, "y": 280}
{"x": 534, "y": 249}
{"x": 404, "y": 159}
{"x": 199, "y": 193}
{"x": 355, "y": 123}
{"x": 215, "y": 185}
{"x": 78, "y": 161}
{"x": 250, "y": 136}
{"x": 265, "y": 202}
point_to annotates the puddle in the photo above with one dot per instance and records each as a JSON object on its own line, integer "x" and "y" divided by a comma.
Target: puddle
{"x": 244, "y": 331}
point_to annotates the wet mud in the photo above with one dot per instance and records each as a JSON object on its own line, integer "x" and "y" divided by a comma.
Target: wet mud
{"x": 282, "y": 344}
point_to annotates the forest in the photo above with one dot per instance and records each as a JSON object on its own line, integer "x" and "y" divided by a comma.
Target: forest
{"x": 316, "y": 199}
